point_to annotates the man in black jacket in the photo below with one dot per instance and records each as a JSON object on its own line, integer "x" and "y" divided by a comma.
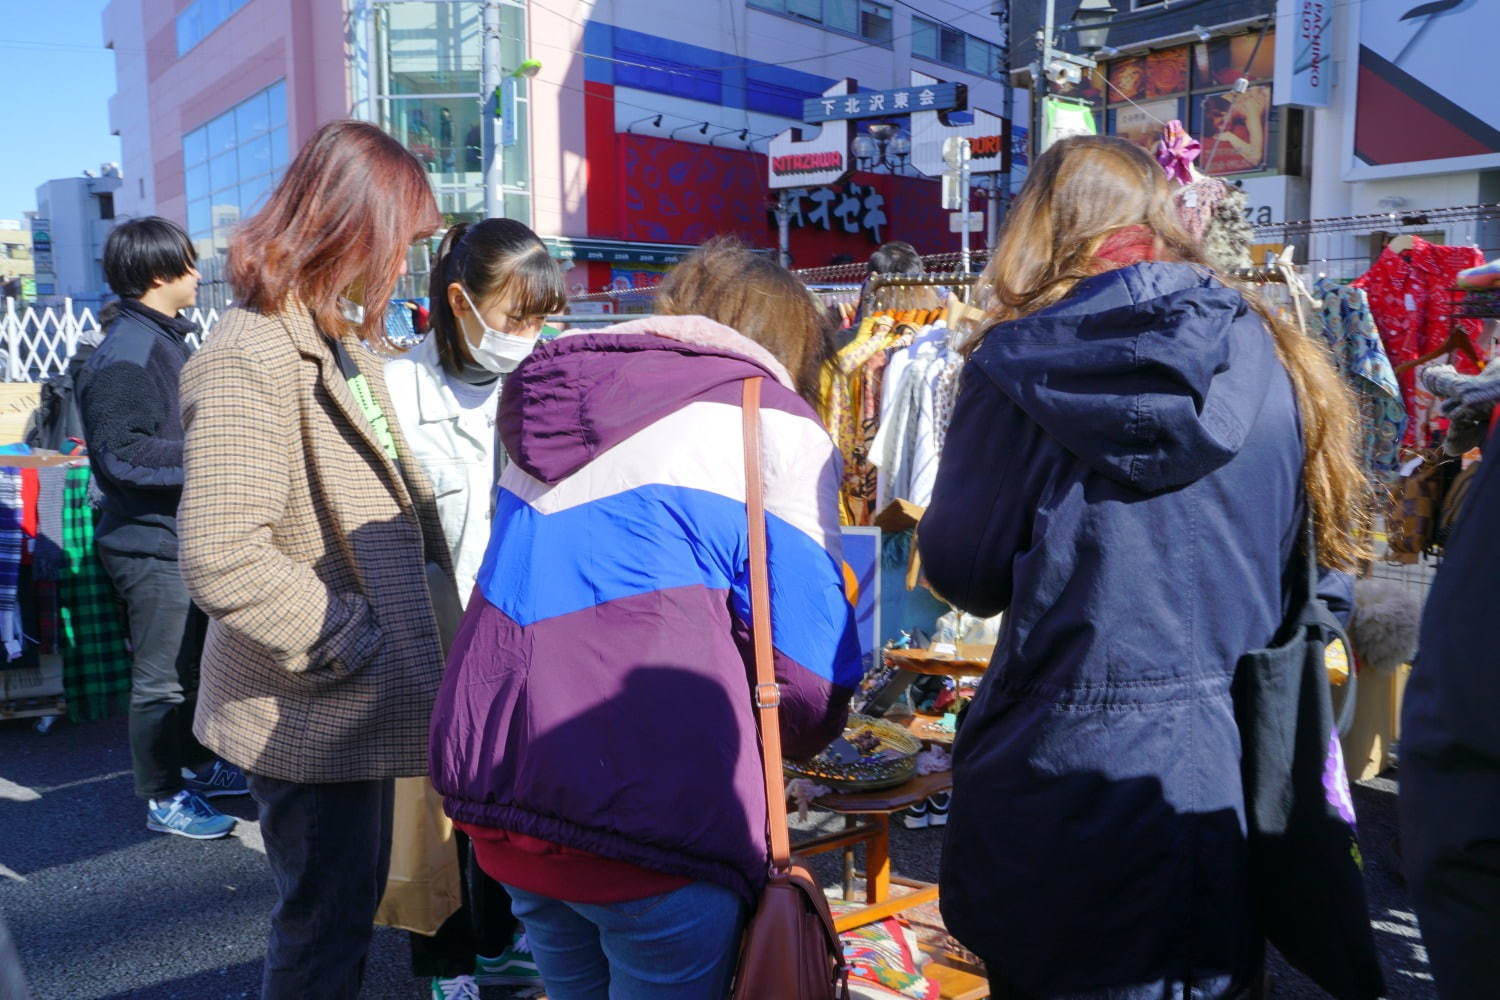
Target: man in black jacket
{"x": 132, "y": 422}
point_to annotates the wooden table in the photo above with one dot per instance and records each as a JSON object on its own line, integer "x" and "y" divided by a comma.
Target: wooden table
{"x": 925, "y": 661}
{"x": 867, "y": 818}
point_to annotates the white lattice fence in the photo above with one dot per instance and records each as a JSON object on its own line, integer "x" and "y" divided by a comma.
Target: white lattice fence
{"x": 37, "y": 343}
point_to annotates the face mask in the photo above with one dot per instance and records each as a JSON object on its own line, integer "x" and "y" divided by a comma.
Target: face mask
{"x": 497, "y": 352}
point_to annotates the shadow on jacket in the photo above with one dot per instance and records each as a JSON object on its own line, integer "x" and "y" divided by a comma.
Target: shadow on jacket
{"x": 1122, "y": 478}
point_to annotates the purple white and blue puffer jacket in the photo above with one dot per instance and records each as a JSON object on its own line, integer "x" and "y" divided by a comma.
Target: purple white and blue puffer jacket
{"x": 598, "y": 695}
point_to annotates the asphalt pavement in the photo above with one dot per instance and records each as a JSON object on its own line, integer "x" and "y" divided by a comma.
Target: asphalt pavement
{"x": 101, "y": 908}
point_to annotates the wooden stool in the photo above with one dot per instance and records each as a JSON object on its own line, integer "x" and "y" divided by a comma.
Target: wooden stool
{"x": 867, "y": 817}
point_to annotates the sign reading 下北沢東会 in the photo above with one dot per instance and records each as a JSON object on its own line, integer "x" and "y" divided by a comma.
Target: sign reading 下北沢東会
{"x": 1304, "y": 52}
{"x": 877, "y": 104}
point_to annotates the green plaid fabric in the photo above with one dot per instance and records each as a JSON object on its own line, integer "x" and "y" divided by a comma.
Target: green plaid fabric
{"x": 96, "y": 656}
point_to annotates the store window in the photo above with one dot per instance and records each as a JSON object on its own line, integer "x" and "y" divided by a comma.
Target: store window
{"x": 230, "y": 165}
{"x": 951, "y": 47}
{"x": 199, "y": 19}
{"x": 863, "y": 18}
{"x": 428, "y": 60}
{"x": 1196, "y": 85}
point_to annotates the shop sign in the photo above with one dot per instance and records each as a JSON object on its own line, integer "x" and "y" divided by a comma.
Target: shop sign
{"x": 815, "y": 158}
{"x": 1304, "y": 52}
{"x": 854, "y": 208}
{"x": 905, "y": 100}
{"x": 806, "y": 163}
{"x": 929, "y": 130}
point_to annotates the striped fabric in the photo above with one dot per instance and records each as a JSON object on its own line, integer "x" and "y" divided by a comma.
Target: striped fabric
{"x": 10, "y": 563}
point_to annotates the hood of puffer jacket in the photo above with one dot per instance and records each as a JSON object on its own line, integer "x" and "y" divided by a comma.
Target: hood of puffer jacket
{"x": 583, "y": 393}
{"x": 1153, "y": 374}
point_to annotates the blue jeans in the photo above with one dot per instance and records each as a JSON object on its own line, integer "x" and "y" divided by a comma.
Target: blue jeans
{"x": 681, "y": 945}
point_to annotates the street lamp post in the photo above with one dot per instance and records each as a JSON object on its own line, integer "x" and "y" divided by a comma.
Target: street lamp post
{"x": 490, "y": 84}
{"x": 1091, "y": 21}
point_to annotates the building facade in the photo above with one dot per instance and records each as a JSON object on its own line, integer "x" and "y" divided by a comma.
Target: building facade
{"x": 74, "y": 216}
{"x": 1348, "y": 107}
{"x": 16, "y": 264}
{"x": 646, "y": 129}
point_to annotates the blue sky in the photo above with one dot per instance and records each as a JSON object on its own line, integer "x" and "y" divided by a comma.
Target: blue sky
{"x": 58, "y": 78}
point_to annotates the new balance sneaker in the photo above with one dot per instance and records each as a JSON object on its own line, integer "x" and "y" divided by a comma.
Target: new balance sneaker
{"x": 215, "y": 780}
{"x": 187, "y": 815}
{"x": 916, "y": 817}
{"x": 514, "y": 968}
{"x": 937, "y": 809}
{"x": 456, "y": 988}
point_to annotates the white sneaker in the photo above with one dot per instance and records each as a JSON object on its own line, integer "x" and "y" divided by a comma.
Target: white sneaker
{"x": 457, "y": 988}
{"x": 916, "y": 817}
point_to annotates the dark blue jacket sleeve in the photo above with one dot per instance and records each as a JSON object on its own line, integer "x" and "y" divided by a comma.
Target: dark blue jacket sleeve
{"x": 123, "y": 415}
{"x": 983, "y": 504}
{"x": 1337, "y": 591}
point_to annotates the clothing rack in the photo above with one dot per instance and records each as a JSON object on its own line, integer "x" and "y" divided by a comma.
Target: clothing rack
{"x": 920, "y": 280}
{"x": 1476, "y": 304}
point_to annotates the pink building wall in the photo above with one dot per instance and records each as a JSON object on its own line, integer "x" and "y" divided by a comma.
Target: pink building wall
{"x": 301, "y": 41}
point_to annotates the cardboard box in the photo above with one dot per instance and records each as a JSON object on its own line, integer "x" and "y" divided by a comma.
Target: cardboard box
{"x": 45, "y": 681}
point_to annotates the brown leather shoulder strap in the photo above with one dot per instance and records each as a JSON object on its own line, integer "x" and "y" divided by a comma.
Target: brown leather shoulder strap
{"x": 767, "y": 692}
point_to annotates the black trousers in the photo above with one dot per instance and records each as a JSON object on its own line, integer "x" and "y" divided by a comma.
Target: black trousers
{"x": 1450, "y": 845}
{"x": 329, "y": 846}
{"x": 483, "y": 925}
{"x": 166, "y": 636}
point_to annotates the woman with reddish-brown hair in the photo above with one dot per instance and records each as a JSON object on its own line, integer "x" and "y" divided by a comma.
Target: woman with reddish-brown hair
{"x": 314, "y": 545}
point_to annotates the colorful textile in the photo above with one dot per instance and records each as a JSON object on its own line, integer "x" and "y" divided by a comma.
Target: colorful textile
{"x": 1410, "y": 298}
{"x": 884, "y": 956}
{"x": 1350, "y": 330}
{"x": 840, "y": 384}
{"x": 96, "y": 656}
{"x": 11, "y": 537}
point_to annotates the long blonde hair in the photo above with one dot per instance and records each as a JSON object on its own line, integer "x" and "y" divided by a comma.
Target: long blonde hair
{"x": 1084, "y": 189}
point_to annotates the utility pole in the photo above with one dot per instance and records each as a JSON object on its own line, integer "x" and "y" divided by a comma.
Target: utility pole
{"x": 1001, "y": 10}
{"x": 956, "y": 156}
{"x": 783, "y": 229}
{"x": 491, "y": 80}
{"x": 1039, "y": 78}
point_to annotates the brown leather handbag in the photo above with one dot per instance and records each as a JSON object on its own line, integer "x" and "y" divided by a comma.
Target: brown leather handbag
{"x": 790, "y": 950}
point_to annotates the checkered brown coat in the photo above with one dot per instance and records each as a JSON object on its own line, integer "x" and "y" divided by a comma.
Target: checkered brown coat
{"x": 309, "y": 550}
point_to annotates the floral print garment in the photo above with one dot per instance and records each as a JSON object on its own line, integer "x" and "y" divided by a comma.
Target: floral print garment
{"x": 1350, "y": 330}
{"x": 1409, "y": 296}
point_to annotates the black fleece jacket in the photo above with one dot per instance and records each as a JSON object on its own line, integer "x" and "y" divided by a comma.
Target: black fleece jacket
{"x": 132, "y": 421}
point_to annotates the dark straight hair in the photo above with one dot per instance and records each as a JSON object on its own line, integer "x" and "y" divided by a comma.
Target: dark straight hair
{"x": 350, "y": 206}
{"x": 490, "y": 258}
{"x": 139, "y": 251}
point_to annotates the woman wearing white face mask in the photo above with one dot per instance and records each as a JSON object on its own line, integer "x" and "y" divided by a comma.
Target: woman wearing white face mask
{"x": 492, "y": 284}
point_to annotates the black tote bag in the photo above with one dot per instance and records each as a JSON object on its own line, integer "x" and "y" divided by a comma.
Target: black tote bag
{"x": 1306, "y": 870}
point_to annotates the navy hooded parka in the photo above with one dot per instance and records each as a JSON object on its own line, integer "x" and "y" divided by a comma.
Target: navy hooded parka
{"x": 1122, "y": 478}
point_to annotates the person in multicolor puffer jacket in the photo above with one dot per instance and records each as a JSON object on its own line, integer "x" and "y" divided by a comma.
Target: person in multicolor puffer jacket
{"x": 595, "y": 733}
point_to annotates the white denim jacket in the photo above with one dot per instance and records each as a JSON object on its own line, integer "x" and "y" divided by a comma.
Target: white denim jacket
{"x": 457, "y": 448}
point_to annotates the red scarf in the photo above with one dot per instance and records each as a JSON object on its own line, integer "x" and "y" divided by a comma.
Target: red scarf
{"x": 1124, "y": 247}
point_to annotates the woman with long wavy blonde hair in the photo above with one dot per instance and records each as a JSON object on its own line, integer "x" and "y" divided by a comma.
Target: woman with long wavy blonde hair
{"x": 1133, "y": 453}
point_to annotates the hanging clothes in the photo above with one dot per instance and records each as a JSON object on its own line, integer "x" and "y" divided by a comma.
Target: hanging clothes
{"x": 47, "y": 554}
{"x": 1349, "y": 327}
{"x": 11, "y": 537}
{"x": 96, "y": 657}
{"x": 841, "y": 385}
{"x": 1410, "y": 298}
